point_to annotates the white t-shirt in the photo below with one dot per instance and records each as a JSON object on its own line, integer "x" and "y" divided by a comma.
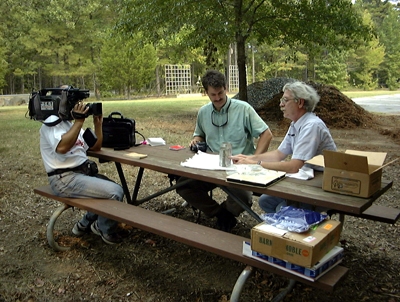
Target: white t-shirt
{"x": 49, "y": 140}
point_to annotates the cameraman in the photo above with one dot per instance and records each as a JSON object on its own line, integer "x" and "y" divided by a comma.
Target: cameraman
{"x": 72, "y": 174}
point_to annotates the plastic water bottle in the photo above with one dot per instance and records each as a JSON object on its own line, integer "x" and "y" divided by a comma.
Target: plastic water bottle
{"x": 225, "y": 153}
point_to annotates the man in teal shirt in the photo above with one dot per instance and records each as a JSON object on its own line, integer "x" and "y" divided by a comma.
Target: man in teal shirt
{"x": 224, "y": 120}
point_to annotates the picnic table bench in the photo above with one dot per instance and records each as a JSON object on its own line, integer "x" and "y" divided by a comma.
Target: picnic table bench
{"x": 208, "y": 239}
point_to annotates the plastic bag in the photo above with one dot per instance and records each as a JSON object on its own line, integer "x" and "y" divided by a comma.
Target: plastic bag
{"x": 293, "y": 219}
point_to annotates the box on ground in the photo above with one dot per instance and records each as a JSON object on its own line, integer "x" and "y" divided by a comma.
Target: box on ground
{"x": 329, "y": 261}
{"x": 304, "y": 249}
{"x": 356, "y": 173}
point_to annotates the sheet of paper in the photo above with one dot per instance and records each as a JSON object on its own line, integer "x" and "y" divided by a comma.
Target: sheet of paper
{"x": 156, "y": 141}
{"x": 304, "y": 173}
{"x": 206, "y": 161}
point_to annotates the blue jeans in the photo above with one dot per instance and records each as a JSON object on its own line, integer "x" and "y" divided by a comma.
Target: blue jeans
{"x": 271, "y": 204}
{"x": 77, "y": 185}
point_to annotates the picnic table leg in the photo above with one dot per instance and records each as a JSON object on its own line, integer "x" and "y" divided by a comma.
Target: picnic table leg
{"x": 50, "y": 229}
{"x": 237, "y": 289}
{"x": 123, "y": 182}
{"x": 242, "y": 204}
{"x": 133, "y": 199}
{"x": 137, "y": 186}
{"x": 246, "y": 273}
{"x": 285, "y": 291}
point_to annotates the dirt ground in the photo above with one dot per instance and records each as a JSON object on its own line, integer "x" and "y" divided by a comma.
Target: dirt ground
{"x": 147, "y": 268}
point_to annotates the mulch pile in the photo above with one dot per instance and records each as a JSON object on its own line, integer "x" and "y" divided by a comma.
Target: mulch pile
{"x": 335, "y": 109}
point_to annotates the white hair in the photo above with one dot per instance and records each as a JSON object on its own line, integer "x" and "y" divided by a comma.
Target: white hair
{"x": 301, "y": 90}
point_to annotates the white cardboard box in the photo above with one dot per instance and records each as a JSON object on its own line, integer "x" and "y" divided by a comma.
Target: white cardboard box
{"x": 329, "y": 261}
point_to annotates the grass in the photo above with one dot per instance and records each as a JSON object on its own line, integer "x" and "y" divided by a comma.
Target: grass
{"x": 170, "y": 118}
{"x": 149, "y": 108}
{"x": 155, "y": 117}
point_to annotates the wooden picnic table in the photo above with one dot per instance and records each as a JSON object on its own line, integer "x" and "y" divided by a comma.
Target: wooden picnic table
{"x": 161, "y": 159}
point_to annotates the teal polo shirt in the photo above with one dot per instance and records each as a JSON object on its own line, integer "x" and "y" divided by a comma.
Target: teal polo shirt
{"x": 237, "y": 123}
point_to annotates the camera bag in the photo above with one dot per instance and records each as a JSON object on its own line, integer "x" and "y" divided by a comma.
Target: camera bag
{"x": 119, "y": 132}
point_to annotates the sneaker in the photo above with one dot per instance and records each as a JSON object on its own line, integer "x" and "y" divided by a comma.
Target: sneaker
{"x": 225, "y": 221}
{"x": 107, "y": 238}
{"x": 80, "y": 230}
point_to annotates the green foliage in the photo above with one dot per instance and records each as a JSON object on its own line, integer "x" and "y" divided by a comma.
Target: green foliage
{"x": 59, "y": 43}
{"x": 216, "y": 24}
{"x": 365, "y": 61}
{"x": 332, "y": 70}
{"x": 279, "y": 60}
{"x": 126, "y": 64}
{"x": 3, "y": 63}
{"x": 79, "y": 42}
{"x": 391, "y": 39}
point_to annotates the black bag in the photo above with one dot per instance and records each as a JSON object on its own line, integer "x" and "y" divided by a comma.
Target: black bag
{"x": 119, "y": 132}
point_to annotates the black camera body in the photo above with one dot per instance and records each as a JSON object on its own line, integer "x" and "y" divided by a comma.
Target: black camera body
{"x": 200, "y": 146}
{"x": 59, "y": 102}
{"x": 94, "y": 109}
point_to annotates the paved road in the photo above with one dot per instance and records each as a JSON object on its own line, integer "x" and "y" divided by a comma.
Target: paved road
{"x": 380, "y": 104}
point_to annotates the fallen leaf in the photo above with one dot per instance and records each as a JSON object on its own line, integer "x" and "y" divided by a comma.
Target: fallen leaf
{"x": 39, "y": 282}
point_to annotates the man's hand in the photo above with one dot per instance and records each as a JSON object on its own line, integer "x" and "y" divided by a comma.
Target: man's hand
{"x": 98, "y": 120}
{"x": 196, "y": 140}
{"x": 79, "y": 111}
{"x": 243, "y": 159}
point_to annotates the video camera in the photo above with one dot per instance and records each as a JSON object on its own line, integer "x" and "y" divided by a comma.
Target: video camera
{"x": 59, "y": 102}
{"x": 199, "y": 146}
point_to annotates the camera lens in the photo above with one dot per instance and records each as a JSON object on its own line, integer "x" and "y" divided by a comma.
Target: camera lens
{"x": 95, "y": 108}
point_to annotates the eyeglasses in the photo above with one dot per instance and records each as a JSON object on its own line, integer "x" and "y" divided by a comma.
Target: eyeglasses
{"x": 224, "y": 123}
{"x": 285, "y": 100}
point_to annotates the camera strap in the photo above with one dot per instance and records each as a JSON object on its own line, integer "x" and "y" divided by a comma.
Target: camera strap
{"x": 138, "y": 144}
{"x": 51, "y": 124}
{"x": 77, "y": 115}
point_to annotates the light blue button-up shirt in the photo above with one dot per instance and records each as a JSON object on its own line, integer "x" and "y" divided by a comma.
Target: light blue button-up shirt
{"x": 306, "y": 138}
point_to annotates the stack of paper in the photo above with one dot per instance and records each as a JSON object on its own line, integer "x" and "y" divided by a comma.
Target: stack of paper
{"x": 156, "y": 141}
{"x": 202, "y": 160}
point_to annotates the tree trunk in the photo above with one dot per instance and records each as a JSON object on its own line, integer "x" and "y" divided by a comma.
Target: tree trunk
{"x": 95, "y": 87}
{"x": 241, "y": 61}
{"x": 22, "y": 84}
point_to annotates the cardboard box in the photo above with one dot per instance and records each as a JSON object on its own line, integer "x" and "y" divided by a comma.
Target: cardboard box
{"x": 355, "y": 173}
{"x": 329, "y": 261}
{"x": 304, "y": 249}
